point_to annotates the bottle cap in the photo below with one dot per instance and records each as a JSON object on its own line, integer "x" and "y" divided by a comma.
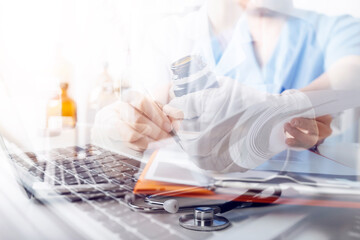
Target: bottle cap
{"x": 187, "y": 66}
{"x": 64, "y": 85}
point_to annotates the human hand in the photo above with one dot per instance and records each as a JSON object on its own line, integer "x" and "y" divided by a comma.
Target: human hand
{"x": 306, "y": 133}
{"x": 136, "y": 121}
{"x": 245, "y": 126}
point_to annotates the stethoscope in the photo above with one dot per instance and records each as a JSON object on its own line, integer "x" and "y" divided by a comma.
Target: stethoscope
{"x": 207, "y": 218}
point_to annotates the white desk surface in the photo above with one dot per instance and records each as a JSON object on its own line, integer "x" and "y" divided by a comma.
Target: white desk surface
{"x": 21, "y": 218}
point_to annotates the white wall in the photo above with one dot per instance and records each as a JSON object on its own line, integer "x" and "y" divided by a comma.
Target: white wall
{"x": 331, "y": 7}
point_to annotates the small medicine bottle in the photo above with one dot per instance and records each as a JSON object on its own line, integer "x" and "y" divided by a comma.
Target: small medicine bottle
{"x": 61, "y": 110}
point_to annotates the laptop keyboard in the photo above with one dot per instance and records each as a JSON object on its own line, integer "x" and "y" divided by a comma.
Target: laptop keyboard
{"x": 98, "y": 180}
{"x": 90, "y": 170}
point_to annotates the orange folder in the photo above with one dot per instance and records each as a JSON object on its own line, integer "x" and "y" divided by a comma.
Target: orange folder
{"x": 145, "y": 186}
{"x": 148, "y": 187}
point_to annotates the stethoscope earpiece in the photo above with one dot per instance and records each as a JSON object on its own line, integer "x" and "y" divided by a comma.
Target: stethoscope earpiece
{"x": 171, "y": 206}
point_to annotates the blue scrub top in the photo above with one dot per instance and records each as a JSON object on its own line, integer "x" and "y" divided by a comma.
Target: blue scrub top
{"x": 306, "y": 48}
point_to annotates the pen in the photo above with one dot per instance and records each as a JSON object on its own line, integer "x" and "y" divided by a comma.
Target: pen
{"x": 172, "y": 133}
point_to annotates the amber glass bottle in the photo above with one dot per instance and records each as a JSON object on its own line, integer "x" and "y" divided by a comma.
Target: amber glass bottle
{"x": 61, "y": 110}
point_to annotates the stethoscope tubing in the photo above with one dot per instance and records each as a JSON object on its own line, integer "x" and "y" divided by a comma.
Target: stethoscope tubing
{"x": 157, "y": 207}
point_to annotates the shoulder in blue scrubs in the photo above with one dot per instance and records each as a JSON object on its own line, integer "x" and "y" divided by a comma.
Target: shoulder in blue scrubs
{"x": 307, "y": 47}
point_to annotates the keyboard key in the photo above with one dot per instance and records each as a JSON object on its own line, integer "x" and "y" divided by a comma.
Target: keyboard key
{"x": 89, "y": 181}
{"x": 92, "y": 166}
{"x": 84, "y": 188}
{"x": 82, "y": 181}
{"x": 122, "y": 168}
{"x": 93, "y": 174}
{"x": 121, "y": 179}
{"x": 93, "y": 158}
{"x": 83, "y": 175}
{"x": 57, "y": 170}
{"x": 109, "y": 187}
{"x": 107, "y": 160}
{"x": 77, "y": 162}
{"x": 117, "y": 193}
{"x": 33, "y": 171}
{"x": 112, "y": 174}
{"x": 57, "y": 182}
{"x": 99, "y": 179}
{"x": 104, "y": 155}
{"x": 71, "y": 181}
{"x": 68, "y": 166}
{"x": 72, "y": 198}
{"x": 92, "y": 196}
{"x": 120, "y": 157}
{"x": 58, "y": 178}
{"x": 106, "y": 169}
{"x": 131, "y": 172}
{"x": 87, "y": 161}
{"x": 96, "y": 171}
{"x": 131, "y": 162}
{"x": 115, "y": 181}
{"x": 68, "y": 175}
{"x": 114, "y": 164}
{"x": 80, "y": 169}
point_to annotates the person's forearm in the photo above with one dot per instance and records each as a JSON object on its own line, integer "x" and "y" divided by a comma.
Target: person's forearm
{"x": 321, "y": 83}
{"x": 344, "y": 74}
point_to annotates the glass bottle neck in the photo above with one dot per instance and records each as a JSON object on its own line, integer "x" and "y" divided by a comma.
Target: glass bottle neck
{"x": 63, "y": 93}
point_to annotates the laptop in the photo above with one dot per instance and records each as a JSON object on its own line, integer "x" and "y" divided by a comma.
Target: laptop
{"x": 83, "y": 184}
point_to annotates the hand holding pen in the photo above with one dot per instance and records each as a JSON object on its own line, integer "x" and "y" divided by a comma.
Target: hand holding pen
{"x": 172, "y": 133}
{"x": 136, "y": 121}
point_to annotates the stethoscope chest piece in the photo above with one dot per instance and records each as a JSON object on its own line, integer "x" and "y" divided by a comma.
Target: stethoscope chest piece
{"x": 203, "y": 219}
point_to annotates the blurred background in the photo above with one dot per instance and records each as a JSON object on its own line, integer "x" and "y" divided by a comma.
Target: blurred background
{"x": 91, "y": 45}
